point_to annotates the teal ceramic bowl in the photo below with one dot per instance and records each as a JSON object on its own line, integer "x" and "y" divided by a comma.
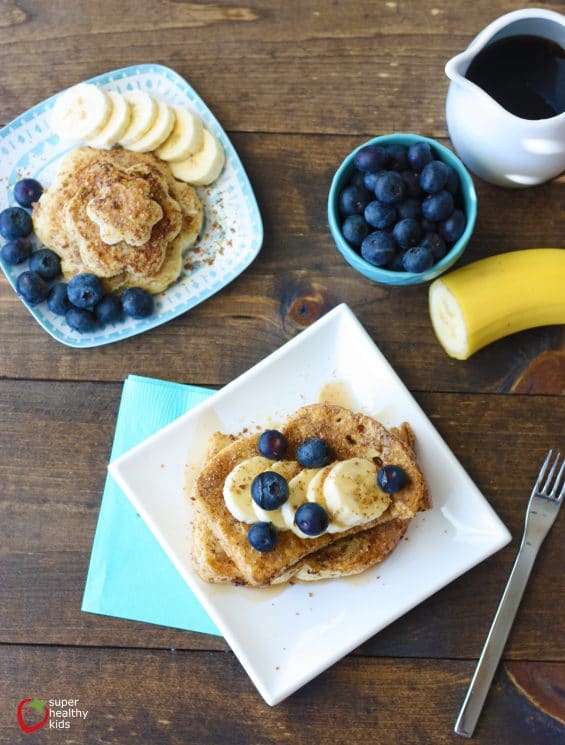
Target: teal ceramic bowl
{"x": 388, "y": 276}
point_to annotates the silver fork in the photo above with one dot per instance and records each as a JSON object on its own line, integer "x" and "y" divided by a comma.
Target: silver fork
{"x": 545, "y": 501}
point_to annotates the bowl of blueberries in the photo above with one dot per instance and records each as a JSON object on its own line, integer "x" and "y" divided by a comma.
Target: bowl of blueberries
{"x": 401, "y": 209}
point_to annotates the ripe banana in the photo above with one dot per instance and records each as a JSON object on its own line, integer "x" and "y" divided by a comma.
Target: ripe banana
{"x": 202, "y": 167}
{"x": 158, "y": 132}
{"x": 81, "y": 112}
{"x": 497, "y": 296}
{"x": 116, "y": 125}
{"x": 186, "y": 137}
{"x": 143, "y": 113}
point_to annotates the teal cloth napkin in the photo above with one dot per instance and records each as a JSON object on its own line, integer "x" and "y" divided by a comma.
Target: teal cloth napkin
{"x": 130, "y": 576}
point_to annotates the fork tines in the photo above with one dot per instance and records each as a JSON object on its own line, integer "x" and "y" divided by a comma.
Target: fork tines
{"x": 544, "y": 491}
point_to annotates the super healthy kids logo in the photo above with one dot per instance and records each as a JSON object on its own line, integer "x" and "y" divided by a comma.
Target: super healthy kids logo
{"x": 34, "y": 713}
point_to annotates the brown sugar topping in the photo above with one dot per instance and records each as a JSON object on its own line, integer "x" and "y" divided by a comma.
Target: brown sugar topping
{"x": 124, "y": 211}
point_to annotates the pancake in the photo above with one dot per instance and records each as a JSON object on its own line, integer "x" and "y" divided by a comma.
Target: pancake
{"x": 192, "y": 219}
{"x": 167, "y": 211}
{"x": 102, "y": 183}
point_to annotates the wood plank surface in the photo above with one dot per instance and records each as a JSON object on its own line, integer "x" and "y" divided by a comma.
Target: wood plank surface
{"x": 298, "y": 276}
{"x": 296, "y": 85}
{"x": 286, "y": 67}
{"x": 206, "y": 699}
{"x": 49, "y": 521}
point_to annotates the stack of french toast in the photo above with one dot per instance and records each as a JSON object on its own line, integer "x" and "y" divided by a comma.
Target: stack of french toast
{"x": 341, "y": 498}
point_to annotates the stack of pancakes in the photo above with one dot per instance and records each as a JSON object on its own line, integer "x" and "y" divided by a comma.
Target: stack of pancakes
{"x": 119, "y": 215}
{"x": 221, "y": 551}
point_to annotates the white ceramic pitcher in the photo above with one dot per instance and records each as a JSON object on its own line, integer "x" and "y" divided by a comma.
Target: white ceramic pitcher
{"x": 496, "y": 145}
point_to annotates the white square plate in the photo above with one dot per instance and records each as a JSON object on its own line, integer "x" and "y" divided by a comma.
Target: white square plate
{"x": 232, "y": 234}
{"x": 285, "y": 636}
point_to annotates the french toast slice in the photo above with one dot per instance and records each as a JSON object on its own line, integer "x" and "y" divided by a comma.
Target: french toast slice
{"x": 347, "y": 556}
{"x": 350, "y": 435}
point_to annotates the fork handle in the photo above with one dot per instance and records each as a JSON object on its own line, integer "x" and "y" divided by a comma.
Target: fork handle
{"x": 495, "y": 641}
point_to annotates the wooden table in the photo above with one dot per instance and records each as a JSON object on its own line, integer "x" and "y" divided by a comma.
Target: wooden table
{"x": 296, "y": 85}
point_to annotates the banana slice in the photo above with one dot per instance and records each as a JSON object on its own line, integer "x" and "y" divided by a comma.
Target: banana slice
{"x": 351, "y": 493}
{"x": 81, "y": 112}
{"x": 186, "y": 138}
{"x": 315, "y": 493}
{"x": 158, "y": 132}
{"x": 143, "y": 113}
{"x": 287, "y": 469}
{"x": 237, "y": 487}
{"x": 297, "y": 488}
{"x": 202, "y": 167}
{"x": 116, "y": 125}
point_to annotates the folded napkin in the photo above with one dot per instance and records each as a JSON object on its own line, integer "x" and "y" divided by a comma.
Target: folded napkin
{"x": 130, "y": 576}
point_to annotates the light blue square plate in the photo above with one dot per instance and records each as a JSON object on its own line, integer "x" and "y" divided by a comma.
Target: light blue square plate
{"x": 232, "y": 234}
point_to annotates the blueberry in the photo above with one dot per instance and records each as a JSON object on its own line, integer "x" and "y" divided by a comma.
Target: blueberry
{"x": 435, "y": 245}
{"x": 263, "y": 536}
{"x": 269, "y": 490}
{"x": 46, "y": 263}
{"x": 396, "y": 157}
{"x": 81, "y": 319}
{"x": 452, "y": 228}
{"x": 396, "y": 263}
{"x": 428, "y": 227}
{"x": 391, "y": 479}
{"x": 33, "y": 288}
{"x": 380, "y": 215}
{"x": 438, "y": 206}
{"x": 452, "y": 184}
{"x": 314, "y": 453}
{"x": 352, "y": 200}
{"x": 311, "y": 518}
{"x": 357, "y": 179}
{"x": 412, "y": 183}
{"x": 370, "y": 180}
{"x": 109, "y": 309}
{"x": 419, "y": 155}
{"x": 15, "y": 222}
{"x": 273, "y": 444}
{"x": 58, "y": 301}
{"x": 407, "y": 233}
{"x": 137, "y": 303}
{"x": 27, "y": 191}
{"x": 370, "y": 158}
{"x": 354, "y": 229}
{"x": 417, "y": 259}
{"x": 378, "y": 248}
{"x": 434, "y": 177}
{"x": 85, "y": 290}
{"x": 16, "y": 251}
{"x": 390, "y": 188}
{"x": 410, "y": 207}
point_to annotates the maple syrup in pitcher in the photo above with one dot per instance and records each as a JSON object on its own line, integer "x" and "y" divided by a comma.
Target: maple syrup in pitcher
{"x": 524, "y": 74}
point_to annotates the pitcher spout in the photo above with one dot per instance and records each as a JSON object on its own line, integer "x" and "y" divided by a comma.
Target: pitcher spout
{"x": 457, "y": 66}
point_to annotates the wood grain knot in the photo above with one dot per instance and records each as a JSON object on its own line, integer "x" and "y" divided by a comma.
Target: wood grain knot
{"x": 303, "y": 305}
{"x": 542, "y": 684}
{"x": 11, "y": 14}
{"x": 544, "y": 374}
